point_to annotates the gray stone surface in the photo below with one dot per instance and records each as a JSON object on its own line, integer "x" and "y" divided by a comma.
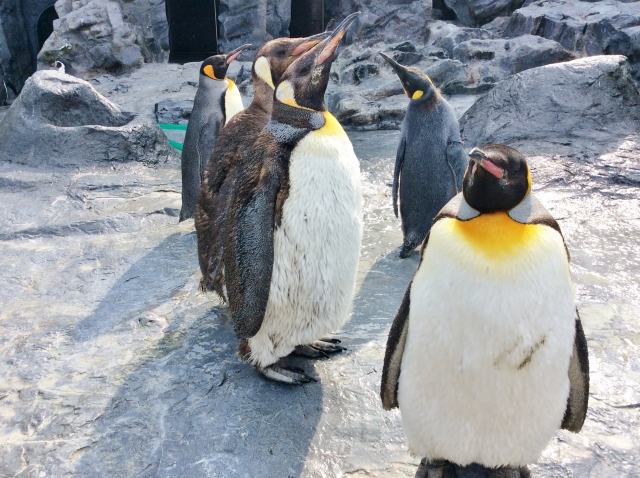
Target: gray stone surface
{"x": 478, "y": 12}
{"x": 94, "y": 35}
{"x": 591, "y": 99}
{"x": 391, "y": 21}
{"x": 112, "y": 363}
{"x": 588, "y": 28}
{"x": 605, "y": 27}
{"x": 59, "y": 120}
{"x": 15, "y": 54}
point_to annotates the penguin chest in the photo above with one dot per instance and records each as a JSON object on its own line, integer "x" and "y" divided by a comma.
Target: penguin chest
{"x": 232, "y": 101}
{"x": 317, "y": 246}
{"x": 491, "y": 328}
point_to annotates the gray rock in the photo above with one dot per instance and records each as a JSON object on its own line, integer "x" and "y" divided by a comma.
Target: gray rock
{"x": 449, "y": 38}
{"x": 59, "y": 120}
{"x": 174, "y": 111}
{"x": 592, "y": 99}
{"x": 15, "y": 52}
{"x": 586, "y": 28}
{"x": 512, "y": 56}
{"x": 94, "y": 35}
{"x": 478, "y": 12}
{"x": 278, "y": 18}
{"x": 393, "y": 21}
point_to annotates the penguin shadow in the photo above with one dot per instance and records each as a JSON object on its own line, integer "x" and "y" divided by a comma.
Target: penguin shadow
{"x": 189, "y": 406}
{"x": 149, "y": 281}
{"x": 378, "y": 298}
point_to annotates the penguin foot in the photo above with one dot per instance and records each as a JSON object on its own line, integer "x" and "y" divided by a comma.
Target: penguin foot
{"x": 435, "y": 469}
{"x": 286, "y": 375}
{"x": 446, "y": 469}
{"x": 319, "y": 349}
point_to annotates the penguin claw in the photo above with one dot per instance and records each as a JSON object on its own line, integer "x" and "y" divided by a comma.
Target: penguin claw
{"x": 309, "y": 351}
{"x": 331, "y": 340}
{"x": 319, "y": 349}
{"x": 286, "y": 375}
{"x": 328, "y": 346}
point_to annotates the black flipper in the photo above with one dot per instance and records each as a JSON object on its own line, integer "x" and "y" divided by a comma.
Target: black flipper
{"x": 455, "y": 153}
{"x": 393, "y": 354}
{"x": 249, "y": 279}
{"x": 577, "y": 402}
{"x": 396, "y": 173}
{"x": 206, "y": 138}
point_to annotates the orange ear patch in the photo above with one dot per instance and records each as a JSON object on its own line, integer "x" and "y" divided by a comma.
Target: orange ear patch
{"x": 208, "y": 70}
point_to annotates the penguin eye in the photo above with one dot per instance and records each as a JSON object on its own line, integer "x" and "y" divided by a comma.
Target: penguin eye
{"x": 305, "y": 71}
{"x": 281, "y": 53}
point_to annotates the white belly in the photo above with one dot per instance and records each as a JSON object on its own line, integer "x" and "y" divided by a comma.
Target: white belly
{"x": 232, "y": 102}
{"x": 316, "y": 248}
{"x": 484, "y": 371}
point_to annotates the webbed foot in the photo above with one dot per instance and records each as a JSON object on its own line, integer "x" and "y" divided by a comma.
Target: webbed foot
{"x": 435, "y": 469}
{"x": 286, "y": 375}
{"x": 446, "y": 469}
{"x": 319, "y": 348}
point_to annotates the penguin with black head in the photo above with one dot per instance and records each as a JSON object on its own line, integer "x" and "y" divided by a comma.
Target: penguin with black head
{"x": 234, "y": 144}
{"x": 217, "y": 100}
{"x": 65, "y": 66}
{"x": 486, "y": 357}
{"x": 294, "y": 227}
{"x": 430, "y": 160}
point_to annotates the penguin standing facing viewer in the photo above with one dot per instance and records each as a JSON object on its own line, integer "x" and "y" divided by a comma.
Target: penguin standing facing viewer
{"x": 217, "y": 100}
{"x": 430, "y": 160}
{"x": 486, "y": 357}
{"x": 233, "y": 146}
{"x": 294, "y": 227}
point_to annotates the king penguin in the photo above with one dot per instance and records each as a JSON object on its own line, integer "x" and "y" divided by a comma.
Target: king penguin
{"x": 430, "y": 160}
{"x": 294, "y": 228}
{"x": 234, "y": 143}
{"x": 217, "y": 100}
{"x": 486, "y": 357}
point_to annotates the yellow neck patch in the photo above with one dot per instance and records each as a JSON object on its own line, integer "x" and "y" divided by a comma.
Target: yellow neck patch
{"x": 208, "y": 70}
{"x": 263, "y": 70}
{"x": 332, "y": 127}
{"x": 232, "y": 86}
{"x": 417, "y": 94}
{"x": 496, "y": 235}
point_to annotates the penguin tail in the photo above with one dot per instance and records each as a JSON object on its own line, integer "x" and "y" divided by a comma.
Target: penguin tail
{"x": 411, "y": 241}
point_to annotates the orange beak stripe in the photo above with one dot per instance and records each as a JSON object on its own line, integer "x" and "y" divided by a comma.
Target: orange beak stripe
{"x": 304, "y": 47}
{"x": 330, "y": 48}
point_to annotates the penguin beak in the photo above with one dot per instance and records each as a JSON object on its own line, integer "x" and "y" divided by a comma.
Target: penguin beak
{"x": 232, "y": 55}
{"x": 309, "y": 42}
{"x": 334, "y": 39}
{"x": 408, "y": 79}
{"x": 481, "y": 159}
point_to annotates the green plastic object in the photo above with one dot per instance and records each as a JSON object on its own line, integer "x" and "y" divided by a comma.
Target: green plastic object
{"x": 181, "y": 127}
{"x": 176, "y": 145}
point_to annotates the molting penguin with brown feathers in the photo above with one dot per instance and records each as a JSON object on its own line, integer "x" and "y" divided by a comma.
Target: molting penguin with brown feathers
{"x": 217, "y": 100}
{"x": 486, "y": 357}
{"x": 234, "y": 144}
{"x": 294, "y": 227}
{"x": 430, "y": 160}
